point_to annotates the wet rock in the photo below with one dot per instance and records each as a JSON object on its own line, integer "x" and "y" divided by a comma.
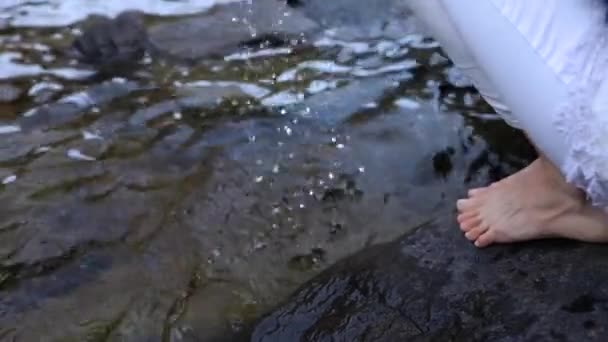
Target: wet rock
{"x": 111, "y": 43}
{"x": 18, "y": 148}
{"x": 44, "y": 91}
{"x": 228, "y": 28}
{"x": 74, "y": 106}
{"x": 349, "y": 12}
{"x": 433, "y": 285}
{"x": 343, "y": 103}
{"x": 353, "y": 19}
{"x": 9, "y": 93}
{"x": 190, "y": 98}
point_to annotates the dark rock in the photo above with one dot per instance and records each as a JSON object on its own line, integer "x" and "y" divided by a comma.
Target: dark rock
{"x": 9, "y": 93}
{"x": 434, "y": 286}
{"x": 109, "y": 43}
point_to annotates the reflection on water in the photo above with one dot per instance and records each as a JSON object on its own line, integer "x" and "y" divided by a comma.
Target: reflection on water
{"x": 182, "y": 201}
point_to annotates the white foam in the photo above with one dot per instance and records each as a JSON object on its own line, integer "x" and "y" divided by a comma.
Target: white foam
{"x": 248, "y": 88}
{"x": 8, "y": 129}
{"x": 407, "y": 103}
{"x": 76, "y": 154}
{"x": 9, "y": 68}
{"x": 240, "y": 56}
{"x": 10, "y": 179}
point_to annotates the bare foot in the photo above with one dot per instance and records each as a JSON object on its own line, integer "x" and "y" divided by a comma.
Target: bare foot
{"x": 534, "y": 203}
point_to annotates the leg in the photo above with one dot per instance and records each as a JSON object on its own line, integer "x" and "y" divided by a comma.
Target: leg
{"x": 505, "y": 211}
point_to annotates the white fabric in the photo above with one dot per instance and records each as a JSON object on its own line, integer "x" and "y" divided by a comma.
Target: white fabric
{"x": 542, "y": 64}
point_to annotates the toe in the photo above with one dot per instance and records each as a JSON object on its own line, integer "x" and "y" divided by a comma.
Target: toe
{"x": 464, "y": 205}
{"x": 470, "y": 224}
{"x": 477, "y": 191}
{"x": 467, "y": 216}
{"x": 485, "y": 239}
{"x": 475, "y": 233}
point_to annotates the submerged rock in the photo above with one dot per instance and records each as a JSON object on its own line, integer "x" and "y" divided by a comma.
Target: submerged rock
{"x": 434, "y": 286}
{"x": 9, "y": 93}
{"x": 108, "y": 43}
{"x": 230, "y": 27}
{"x": 227, "y": 28}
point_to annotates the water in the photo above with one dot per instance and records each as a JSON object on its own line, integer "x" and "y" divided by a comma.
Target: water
{"x": 60, "y": 13}
{"x": 182, "y": 201}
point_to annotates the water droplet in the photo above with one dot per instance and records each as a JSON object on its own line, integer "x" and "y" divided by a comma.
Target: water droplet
{"x": 362, "y": 169}
{"x": 331, "y": 175}
{"x": 177, "y": 116}
{"x": 259, "y": 245}
{"x": 259, "y": 179}
{"x": 275, "y": 168}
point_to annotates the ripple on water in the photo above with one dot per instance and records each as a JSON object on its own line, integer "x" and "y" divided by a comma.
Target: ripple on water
{"x": 9, "y": 68}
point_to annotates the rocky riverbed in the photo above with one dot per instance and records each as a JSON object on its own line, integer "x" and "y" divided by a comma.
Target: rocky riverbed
{"x": 252, "y": 145}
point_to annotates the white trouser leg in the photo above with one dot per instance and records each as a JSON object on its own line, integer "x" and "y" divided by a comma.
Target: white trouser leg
{"x": 434, "y": 16}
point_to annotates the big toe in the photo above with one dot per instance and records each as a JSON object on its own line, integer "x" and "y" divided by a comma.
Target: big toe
{"x": 477, "y": 191}
{"x": 465, "y": 205}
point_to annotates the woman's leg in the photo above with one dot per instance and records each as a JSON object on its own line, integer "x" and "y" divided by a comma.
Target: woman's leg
{"x": 514, "y": 43}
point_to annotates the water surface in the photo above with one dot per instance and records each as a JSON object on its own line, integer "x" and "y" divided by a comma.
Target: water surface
{"x": 181, "y": 202}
